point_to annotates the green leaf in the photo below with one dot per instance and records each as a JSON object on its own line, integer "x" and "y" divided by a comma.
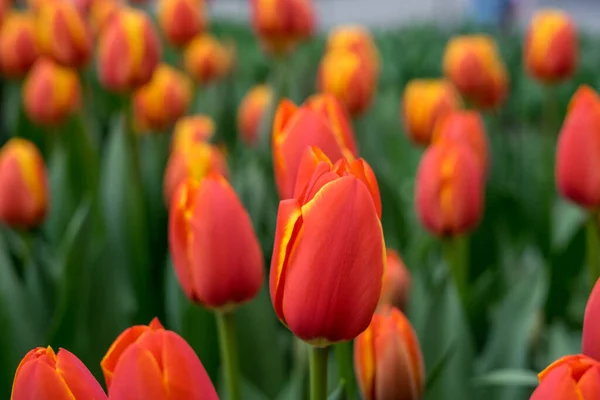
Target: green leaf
{"x": 508, "y": 377}
{"x": 339, "y": 393}
{"x": 567, "y": 219}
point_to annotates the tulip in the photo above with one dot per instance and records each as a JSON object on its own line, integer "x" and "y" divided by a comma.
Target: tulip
{"x": 207, "y": 60}
{"x": 23, "y": 184}
{"x": 591, "y": 324}
{"x": 252, "y": 111}
{"x": 128, "y": 51}
{"x": 282, "y": 24}
{"x": 18, "y": 45}
{"x": 321, "y": 121}
{"x": 193, "y": 129}
{"x": 424, "y": 102}
{"x": 356, "y": 39}
{"x": 396, "y": 282}
{"x": 4, "y": 8}
{"x": 63, "y": 34}
{"x": 44, "y": 375}
{"x": 150, "y": 362}
{"x": 181, "y": 20}
{"x": 387, "y": 358}
{"x": 551, "y": 48}
{"x": 571, "y": 377}
{"x": 474, "y": 66}
{"x": 51, "y": 92}
{"x": 319, "y": 249}
{"x": 164, "y": 99}
{"x": 101, "y": 12}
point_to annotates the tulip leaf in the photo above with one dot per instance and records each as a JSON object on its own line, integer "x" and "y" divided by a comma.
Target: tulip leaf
{"x": 508, "y": 377}
{"x": 567, "y": 220}
{"x": 339, "y": 393}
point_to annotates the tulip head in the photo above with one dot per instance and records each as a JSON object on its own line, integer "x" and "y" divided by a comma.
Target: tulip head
{"x": 551, "y": 47}
{"x": 190, "y": 130}
{"x": 424, "y": 102}
{"x": 354, "y": 38}
{"x": 387, "y": 358}
{"x": 449, "y": 189}
{"x": 591, "y": 324}
{"x": 578, "y": 150}
{"x": 101, "y": 12}
{"x": 571, "y": 377}
{"x": 396, "y": 282}
{"x": 207, "y": 60}
{"x": 181, "y": 20}
{"x": 51, "y": 92}
{"x": 43, "y": 374}
{"x": 326, "y": 269}
{"x": 163, "y": 100}
{"x": 18, "y": 44}
{"x": 322, "y": 122}
{"x": 128, "y": 51}
{"x": 251, "y": 112}
{"x": 474, "y": 66}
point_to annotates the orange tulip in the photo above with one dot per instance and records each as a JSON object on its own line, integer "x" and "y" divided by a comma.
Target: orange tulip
{"x": 44, "y": 375}
{"x": 181, "y": 20}
{"x": 396, "y": 282}
{"x": 4, "y": 9}
{"x": 321, "y": 121}
{"x": 474, "y": 66}
{"x": 282, "y": 24}
{"x": 387, "y": 358}
{"x": 356, "y": 39}
{"x": 24, "y": 193}
{"x": 51, "y": 92}
{"x": 551, "y": 47}
{"x": 101, "y": 12}
{"x": 63, "y": 34}
{"x": 205, "y": 218}
{"x": 578, "y": 150}
{"x": 424, "y": 102}
{"x": 449, "y": 189}
{"x": 149, "y": 362}
{"x": 251, "y": 112}
{"x": 207, "y": 60}
{"x": 326, "y": 269}
{"x": 164, "y": 99}
{"x": 18, "y": 44}
{"x": 571, "y": 377}
{"x": 591, "y": 324}
{"x": 128, "y": 51}
{"x": 193, "y": 129}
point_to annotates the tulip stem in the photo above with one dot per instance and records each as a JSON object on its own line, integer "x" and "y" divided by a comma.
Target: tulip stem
{"x": 343, "y": 357}
{"x": 456, "y": 250}
{"x": 593, "y": 255}
{"x": 318, "y": 373}
{"x": 227, "y": 342}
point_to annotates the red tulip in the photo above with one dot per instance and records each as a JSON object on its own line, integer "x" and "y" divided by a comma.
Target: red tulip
{"x": 396, "y": 282}
{"x": 591, "y": 324}
{"x": 570, "y": 378}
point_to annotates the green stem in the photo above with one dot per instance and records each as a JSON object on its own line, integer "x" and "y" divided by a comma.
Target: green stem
{"x": 318, "y": 373}
{"x": 550, "y": 111}
{"x": 457, "y": 258}
{"x": 226, "y": 325}
{"x": 592, "y": 251}
{"x": 343, "y": 357}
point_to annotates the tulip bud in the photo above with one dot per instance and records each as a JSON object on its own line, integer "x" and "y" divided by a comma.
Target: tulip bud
{"x": 322, "y": 122}
{"x": 101, "y": 13}
{"x": 424, "y": 102}
{"x": 23, "y": 184}
{"x": 449, "y": 189}
{"x": 160, "y": 102}
{"x": 150, "y": 362}
{"x": 313, "y": 229}
{"x": 207, "y": 60}
{"x": 551, "y": 48}
{"x": 282, "y": 24}
{"x": 474, "y": 66}
{"x": 252, "y": 111}
{"x": 196, "y": 161}
{"x": 396, "y": 282}
{"x": 42, "y": 374}
{"x": 128, "y": 51}
{"x": 356, "y": 39}
{"x": 51, "y": 92}
{"x": 387, "y": 358}
{"x": 18, "y": 44}
{"x": 571, "y": 377}
{"x": 63, "y": 34}
{"x": 189, "y": 130}
{"x": 591, "y": 324}
{"x": 181, "y": 20}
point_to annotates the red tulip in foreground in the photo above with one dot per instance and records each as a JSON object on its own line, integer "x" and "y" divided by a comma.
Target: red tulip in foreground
{"x": 44, "y": 375}
{"x": 570, "y": 378}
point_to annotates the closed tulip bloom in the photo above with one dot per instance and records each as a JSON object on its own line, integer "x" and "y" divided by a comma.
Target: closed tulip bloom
{"x": 424, "y": 102}
{"x": 251, "y": 112}
{"x": 51, "y": 92}
{"x": 322, "y": 122}
{"x": 193, "y": 129}
{"x": 24, "y": 195}
{"x": 18, "y": 44}
{"x": 44, "y": 375}
{"x": 150, "y": 362}
{"x": 571, "y": 377}
{"x": 387, "y": 358}
{"x": 396, "y": 282}
{"x": 181, "y": 20}
{"x": 578, "y": 150}
{"x": 282, "y": 24}
{"x": 591, "y": 325}
{"x": 326, "y": 269}
{"x": 449, "y": 189}
{"x": 164, "y": 99}
{"x": 354, "y": 38}
{"x": 101, "y": 13}
{"x": 128, "y": 51}
{"x": 474, "y": 66}
{"x": 208, "y": 60}
{"x": 551, "y": 47}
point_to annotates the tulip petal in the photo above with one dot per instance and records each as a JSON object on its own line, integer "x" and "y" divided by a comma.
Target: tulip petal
{"x": 37, "y": 380}
{"x": 364, "y": 362}
{"x": 591, "y": 324}
{"x": 79, "y": 379}
{"x": 557, "y": 385}
{"x": 589, "y": 384}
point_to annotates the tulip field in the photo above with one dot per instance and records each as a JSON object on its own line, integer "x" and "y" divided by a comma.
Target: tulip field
{"x": 206, "y": 209}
